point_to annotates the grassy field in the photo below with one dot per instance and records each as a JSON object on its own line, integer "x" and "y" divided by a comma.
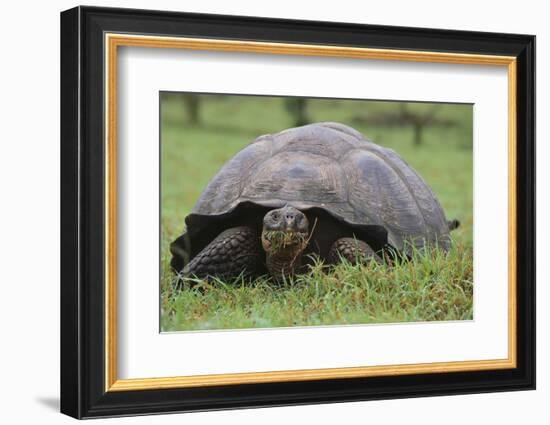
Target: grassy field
{"x": 432, "y": 286}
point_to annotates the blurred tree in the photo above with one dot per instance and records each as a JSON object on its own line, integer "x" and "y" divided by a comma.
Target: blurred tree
{"x": 297, "y": 107}
{"x": 418, "y": 116}
{"x": 418, "y": 119}
{"x": 192, "y": 107}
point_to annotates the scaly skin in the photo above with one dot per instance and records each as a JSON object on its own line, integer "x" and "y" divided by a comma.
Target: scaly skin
{"x": 285, "y": 261}
{"x": 233, "y": 252}
{"x": 353, "y": 250}
{"x": 284, "y": 237}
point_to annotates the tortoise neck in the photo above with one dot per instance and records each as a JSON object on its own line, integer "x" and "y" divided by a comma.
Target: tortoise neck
{"x": 283, "y": 263}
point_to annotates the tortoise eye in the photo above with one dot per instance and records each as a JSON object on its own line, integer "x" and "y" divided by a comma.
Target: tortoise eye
{"x": 275, "y": 216}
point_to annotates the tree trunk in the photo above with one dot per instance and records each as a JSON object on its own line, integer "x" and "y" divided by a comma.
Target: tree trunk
{"x": 297, "y": 107}
{"x": 418, "y": 128}
{"x": 192, "y": 107}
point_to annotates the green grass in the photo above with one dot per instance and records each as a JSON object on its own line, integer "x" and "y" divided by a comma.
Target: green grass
{"x": 433, "y": 286}
{"x": 429, "y": 287}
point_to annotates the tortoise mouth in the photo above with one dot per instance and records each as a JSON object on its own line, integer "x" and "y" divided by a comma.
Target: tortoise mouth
{"x": 284, "y": 241}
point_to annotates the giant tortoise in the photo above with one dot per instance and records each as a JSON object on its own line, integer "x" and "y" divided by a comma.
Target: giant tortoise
{"x": 319, "y": 189}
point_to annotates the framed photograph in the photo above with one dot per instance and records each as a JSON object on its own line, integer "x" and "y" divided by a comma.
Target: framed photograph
{"x": 261, "y": 212}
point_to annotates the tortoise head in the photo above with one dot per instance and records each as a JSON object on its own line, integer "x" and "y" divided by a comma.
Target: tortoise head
{"x": 285, "y": 231}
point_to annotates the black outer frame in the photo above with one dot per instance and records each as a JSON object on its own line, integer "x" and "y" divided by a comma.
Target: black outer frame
{"x": 82, "y": 218}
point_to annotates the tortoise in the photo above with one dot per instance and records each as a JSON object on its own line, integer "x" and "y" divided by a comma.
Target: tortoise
{"x": 320, "y": 189}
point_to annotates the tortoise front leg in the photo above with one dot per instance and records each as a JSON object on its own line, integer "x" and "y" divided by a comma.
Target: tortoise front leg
{"x": 353, "y": 250}
{"x": 234, "y": 251}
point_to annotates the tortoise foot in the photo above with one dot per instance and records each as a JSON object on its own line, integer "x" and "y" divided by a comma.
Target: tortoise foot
{"x": 353, "y": 250}
{"x": 234, "y": 252}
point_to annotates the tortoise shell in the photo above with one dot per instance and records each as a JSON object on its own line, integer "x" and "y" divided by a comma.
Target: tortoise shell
{"x": 326, "y": 166}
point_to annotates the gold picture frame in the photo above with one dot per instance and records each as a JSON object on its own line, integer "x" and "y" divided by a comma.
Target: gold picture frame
{"x": 114, "y": 41}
